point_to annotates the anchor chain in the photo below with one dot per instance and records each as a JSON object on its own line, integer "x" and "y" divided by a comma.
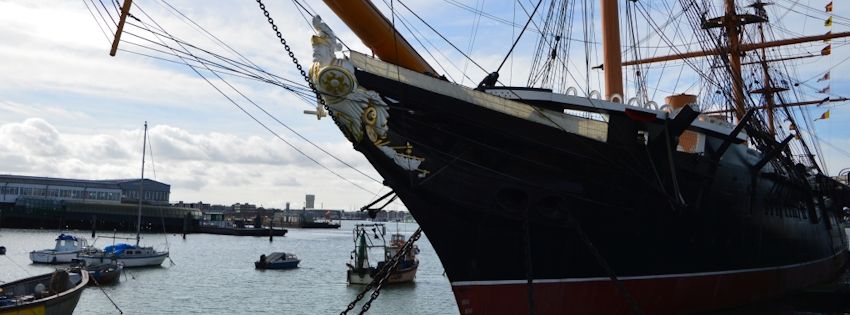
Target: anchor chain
{"x": 382, "y": 275}
{"x": 292, "y": 55}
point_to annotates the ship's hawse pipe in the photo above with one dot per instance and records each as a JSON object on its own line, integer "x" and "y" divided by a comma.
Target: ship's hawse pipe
{"x": 364, "y": 19}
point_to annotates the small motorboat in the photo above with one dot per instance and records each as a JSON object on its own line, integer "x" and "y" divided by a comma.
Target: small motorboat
{"x": 66, "y": 249}
{"x": 277, "y": 260}
{"x": 101, "y": 273}
{"x": 54, "y": 293}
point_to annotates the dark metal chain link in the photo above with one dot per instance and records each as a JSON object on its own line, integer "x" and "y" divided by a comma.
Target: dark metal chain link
{"x": 382, "y": 275}
{"x": 292, "y": 55}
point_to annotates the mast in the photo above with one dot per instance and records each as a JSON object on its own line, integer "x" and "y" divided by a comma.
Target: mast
{"x": 125, "y": 10}
{"x": 141, "y": 185}
{"x": 378, "y": 34}
{"x": 731, "y": 24}
{"x": 612, "y": 61}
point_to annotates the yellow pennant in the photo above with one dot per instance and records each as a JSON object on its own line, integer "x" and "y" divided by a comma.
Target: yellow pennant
{"x": 828, "y": 22}
{"x": 825, "y": 116}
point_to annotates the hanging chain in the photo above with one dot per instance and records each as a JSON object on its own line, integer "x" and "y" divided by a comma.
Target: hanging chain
{"x": 382, "y": 275}
{"x": 292, "y": 55}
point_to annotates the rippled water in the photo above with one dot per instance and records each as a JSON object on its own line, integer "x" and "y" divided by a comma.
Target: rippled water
{"x": 214, "y": 274}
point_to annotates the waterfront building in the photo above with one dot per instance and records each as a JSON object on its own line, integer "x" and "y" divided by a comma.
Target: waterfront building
{"x": 60, "y": 203}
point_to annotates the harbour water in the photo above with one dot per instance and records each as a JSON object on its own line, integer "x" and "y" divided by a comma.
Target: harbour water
{"x": 214, "y": 274}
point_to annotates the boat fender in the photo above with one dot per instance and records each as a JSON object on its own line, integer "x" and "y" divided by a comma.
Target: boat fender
{"x": 666, "y": 108}
{"x": 595, "y": 94}
{"x": 616, "y": 98}
{"x": 632, "y": 101}
{"x": 571, "y": 91}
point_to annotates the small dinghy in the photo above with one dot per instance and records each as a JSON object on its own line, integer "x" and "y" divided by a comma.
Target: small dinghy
{"x": 67, "y": 247}
{"x": 101, "y": 273}
{"x": 54, "y": 293}
{"x": 277, "y": 260}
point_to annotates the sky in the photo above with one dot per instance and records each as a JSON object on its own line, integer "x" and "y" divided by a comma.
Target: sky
{"x": 69, "y": 110}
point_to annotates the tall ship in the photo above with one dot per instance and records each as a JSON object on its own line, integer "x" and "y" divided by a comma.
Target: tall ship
{"x": 552, "y": 199}
{"x": 591, "y": 204}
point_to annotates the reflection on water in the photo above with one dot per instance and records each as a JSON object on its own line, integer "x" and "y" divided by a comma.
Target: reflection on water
{"x": 214, "y": 274}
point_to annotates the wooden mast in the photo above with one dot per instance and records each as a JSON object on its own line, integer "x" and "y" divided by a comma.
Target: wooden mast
{"x": 125, "y": 10}
{"x": 768, "y": 89}
{"x": 612, "y": 62}
{"x": 378, "y": 34}
{"x": 731, "y": 24}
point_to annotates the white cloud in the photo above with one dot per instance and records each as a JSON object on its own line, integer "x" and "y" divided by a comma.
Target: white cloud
{"x": 213, "y": 167}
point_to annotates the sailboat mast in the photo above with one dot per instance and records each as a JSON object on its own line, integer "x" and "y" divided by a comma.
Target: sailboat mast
{"x": 612, "y": 60}
{"x": 731, "y": 24}
{"x": 141, "y": 185}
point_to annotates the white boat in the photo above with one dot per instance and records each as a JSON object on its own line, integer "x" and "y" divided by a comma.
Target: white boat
{"x": 126, "y": 254}
{"x": 67, "y": 247}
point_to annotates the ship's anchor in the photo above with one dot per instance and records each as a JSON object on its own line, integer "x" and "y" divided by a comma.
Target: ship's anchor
{"x": 383, "y": 274}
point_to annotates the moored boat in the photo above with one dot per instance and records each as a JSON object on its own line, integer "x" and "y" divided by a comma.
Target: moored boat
{"x": 128, "y": 255}
{"x": 54, "y": 293}
{"x": 66, "y": 249}
{"x": 101, "y": 273}
{"x": 361, "y": 271}
{"x": 277, "y": 260}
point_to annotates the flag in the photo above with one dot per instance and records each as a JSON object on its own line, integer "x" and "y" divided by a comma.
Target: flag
{"x": 826, "y": 50}
{"x": 792, "y": 127}
{"x": 824, "y": 77}
{"x": 828, "y": 37}
{"x": 828, "y": 22}
{"x": 825, "y": 116}
{"x": 829, "y": 7}
{"x": 824, "y": 90}
{"x": 797, "y": 136}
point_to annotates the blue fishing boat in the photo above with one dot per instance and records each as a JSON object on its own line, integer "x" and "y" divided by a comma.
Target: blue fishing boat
{"x": 277, "y": 260}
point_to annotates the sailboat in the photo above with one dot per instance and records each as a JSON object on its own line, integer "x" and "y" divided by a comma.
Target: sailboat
{"x": 128, "y": 255}
{"x": 594, "y": 203}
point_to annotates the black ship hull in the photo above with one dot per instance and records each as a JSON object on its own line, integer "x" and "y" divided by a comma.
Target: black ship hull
{"x": 526, "y": 217}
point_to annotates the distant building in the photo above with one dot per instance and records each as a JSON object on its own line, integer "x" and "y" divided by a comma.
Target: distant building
{"x": 46, "y": 202}
{"x": 114, "y": 191}
{"x": 244, "y": 207}
{"x": 310, "y": 202}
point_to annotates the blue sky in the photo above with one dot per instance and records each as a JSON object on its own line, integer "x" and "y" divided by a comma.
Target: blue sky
{"x": 67, "y": 109}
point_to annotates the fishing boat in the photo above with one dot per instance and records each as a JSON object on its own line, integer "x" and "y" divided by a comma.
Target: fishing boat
{"x": 54, "y": 293}
{"x": 368, "y": 237}
{"x": 553, "y": 197}
{"x": 66, "y": 249}
{"x": 277, "y": 260}
{"x": 128, "y": 255}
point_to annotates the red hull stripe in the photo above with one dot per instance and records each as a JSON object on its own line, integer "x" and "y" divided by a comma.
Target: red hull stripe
{"x": 657, "y": 295}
